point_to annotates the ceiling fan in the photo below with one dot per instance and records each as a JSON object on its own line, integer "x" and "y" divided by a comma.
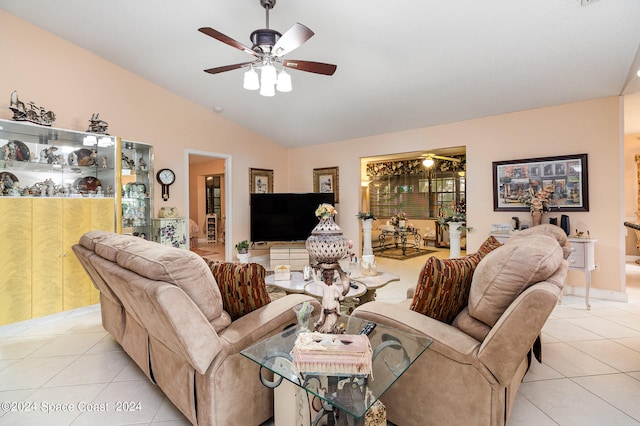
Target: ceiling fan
{"x": 429, "y": 162}
{"x": 269, "y": 47}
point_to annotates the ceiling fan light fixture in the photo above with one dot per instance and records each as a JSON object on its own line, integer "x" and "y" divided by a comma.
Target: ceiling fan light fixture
{"x": 284, "y": 82}
{"x": 251, "y": 79}
{"x": 268, "y": 76}
{"x": 428, "y": 162}
{"x": 267, "y": 89}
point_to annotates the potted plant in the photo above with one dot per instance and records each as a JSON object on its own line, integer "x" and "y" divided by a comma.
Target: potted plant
{"x": 242, "y": 249}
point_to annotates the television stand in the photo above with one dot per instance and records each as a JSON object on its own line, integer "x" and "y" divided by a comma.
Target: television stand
{"x": 293, "y": 253}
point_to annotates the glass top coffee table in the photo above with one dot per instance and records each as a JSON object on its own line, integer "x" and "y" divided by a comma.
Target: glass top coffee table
{"x": 394, "y": 351}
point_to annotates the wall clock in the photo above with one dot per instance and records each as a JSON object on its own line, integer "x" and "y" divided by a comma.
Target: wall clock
{"x": 165, "y": 177}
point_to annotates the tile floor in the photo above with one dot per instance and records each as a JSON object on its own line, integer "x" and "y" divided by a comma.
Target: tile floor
{"x": 67, "y": 364}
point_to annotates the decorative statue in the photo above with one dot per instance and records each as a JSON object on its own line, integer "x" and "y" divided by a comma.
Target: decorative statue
{"x": 326, "y": 246}
{"x": 104, "y": 162}
{"x": 96, "y": 125}
{"x": 93, "y": 158}
{"x": 34, "y": 114}
{"x": 142, "y": 165}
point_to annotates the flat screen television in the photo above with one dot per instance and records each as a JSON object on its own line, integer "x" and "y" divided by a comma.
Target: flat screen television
{"x": 285, "y": 216}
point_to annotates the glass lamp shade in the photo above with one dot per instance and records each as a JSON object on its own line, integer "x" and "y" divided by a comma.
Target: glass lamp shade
{"x": 268, "y": 76}
{"x": 251, "y": 81}
{"x": 284, "y": 82}
{"x": 428, "y": 162}
{"x": 267, "y": 89}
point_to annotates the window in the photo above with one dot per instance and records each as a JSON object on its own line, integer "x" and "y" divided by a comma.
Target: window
{"x": 420, "y": 193}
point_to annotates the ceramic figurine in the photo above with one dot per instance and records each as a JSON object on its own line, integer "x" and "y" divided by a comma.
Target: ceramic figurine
{"x": 142, "y": 165}
{"x": 34, "y": 114}
{"x": 104, "y": 162}
{"x": 96, "y": 125}
{"x": 93, "y": 159}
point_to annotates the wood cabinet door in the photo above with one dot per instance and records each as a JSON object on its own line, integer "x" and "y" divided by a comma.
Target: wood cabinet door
{"x": 15, "y": 267}
{"x": 103, "y": 219}
{"x": 76, "y": 213}
{"x": 47, "y": 287}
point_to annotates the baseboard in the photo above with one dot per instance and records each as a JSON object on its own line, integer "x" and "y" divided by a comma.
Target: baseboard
{"x": 596, "y": 293}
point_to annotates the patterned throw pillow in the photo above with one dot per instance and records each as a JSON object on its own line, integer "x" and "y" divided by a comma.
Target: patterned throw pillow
{"x": 241, "y": 285}
{"x": 443, "y": 286}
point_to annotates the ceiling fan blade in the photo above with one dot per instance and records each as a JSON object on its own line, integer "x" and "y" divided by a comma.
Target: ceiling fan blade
{"x": 315, "y": 67}
{"x": 292, "y": 39}
{"x": 226, "y": 40}
{"x": 218, "y": 70}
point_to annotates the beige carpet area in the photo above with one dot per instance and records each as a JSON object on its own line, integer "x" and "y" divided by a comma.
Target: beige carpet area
{"x": 396, "y": 253}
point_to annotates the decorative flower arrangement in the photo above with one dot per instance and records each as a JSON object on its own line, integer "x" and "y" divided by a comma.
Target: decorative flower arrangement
{"x": 365, "y": 215}
{"x": 325, "y": 211}
{"x": 396, "y": 218}
{"x": 538, "y": 201}
{"x": 457, "y": 213}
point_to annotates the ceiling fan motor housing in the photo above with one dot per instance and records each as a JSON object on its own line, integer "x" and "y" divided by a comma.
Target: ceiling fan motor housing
{"x": 264, "y": 38}
{"x": 268, "y": 3}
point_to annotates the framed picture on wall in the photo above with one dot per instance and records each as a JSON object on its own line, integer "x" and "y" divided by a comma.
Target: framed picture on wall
{"x": 260, "y": 181}
{"x": 565, "y": 179}
{"x": 326, "y": 180}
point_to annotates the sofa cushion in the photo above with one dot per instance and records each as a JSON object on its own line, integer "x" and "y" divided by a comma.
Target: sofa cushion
{"x": 443, "y": 285}
{"x": 546, "y": 228}
{"x": 507, "y": 271}
{"x": 241, "y": 285}
{"x": 158, "y": 262}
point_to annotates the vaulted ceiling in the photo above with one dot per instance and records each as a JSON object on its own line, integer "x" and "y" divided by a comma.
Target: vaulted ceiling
{"x": 401, "y": 65}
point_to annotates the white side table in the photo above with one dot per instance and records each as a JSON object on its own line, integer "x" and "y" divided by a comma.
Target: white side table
{"x": 582, "y": 258}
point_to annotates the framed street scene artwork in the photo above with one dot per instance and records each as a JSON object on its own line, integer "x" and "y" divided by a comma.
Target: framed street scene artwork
{"x": 260, "y": 181}
{"x": 326, "y": 180}
{"x": 563, "y": 178}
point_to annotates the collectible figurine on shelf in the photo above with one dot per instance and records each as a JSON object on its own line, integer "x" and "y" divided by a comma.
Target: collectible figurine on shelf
{"x": 34, "y": 114}
{"x": 104, "y": 162}
{"x": 96, "y": 125}
{"x": 93, "y": 158}
{"x": 142, "y": 165}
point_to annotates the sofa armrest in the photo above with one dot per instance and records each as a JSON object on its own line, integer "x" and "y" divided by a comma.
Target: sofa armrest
{"x": 447, "y": 340}
{"x": 183, "y": 327}
{"x": 264, "y": 322}
{"x": 511, "y": 338}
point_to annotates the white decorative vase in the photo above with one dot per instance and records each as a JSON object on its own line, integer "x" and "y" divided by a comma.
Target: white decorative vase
{"x": 243, "y": 257}
{"x": 326, "y": 243}
{"x": 454, "y": 239}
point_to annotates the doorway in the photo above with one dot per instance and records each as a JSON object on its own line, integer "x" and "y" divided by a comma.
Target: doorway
{"x": 209, "y": 194}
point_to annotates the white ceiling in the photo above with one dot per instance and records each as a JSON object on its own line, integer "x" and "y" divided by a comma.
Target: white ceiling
{"x": 401, "y": 65}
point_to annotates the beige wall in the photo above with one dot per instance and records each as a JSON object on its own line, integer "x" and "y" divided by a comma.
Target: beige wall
{"x": 75, "y": 83}
{"x": 592, "y": 127}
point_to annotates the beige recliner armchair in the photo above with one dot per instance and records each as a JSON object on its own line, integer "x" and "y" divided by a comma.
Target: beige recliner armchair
{"x": 472, "y": 371}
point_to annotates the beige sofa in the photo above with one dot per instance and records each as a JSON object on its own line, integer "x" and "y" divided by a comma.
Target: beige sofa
{"x": 472, "y": 371}
{"x": 165, "y": 308}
